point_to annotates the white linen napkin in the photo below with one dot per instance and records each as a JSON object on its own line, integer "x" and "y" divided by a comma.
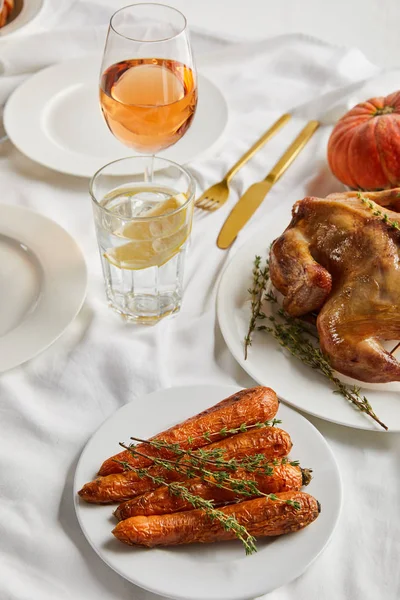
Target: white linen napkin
{"x": 51, "y": 406}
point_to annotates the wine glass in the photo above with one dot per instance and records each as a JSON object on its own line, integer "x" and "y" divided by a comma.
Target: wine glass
{"x": 148, "y": 83}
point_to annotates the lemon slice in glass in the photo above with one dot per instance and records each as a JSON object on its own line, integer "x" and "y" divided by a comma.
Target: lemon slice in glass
{"x": 153, "y": 241}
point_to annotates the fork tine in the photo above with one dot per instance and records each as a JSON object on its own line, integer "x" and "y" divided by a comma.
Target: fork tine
{"x": 213, "y": 204}
{"x": 207, "y": 204}
{"x": 201, "y": 200}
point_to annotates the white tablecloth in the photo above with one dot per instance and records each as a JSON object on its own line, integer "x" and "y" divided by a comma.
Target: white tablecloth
{"x": 50, "y": 406}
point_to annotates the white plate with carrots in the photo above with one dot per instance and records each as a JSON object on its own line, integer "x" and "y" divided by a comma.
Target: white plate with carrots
{"x": 220, "y": 570}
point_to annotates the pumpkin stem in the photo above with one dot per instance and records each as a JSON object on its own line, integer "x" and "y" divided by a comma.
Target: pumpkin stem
{"x": 385, "y": 110}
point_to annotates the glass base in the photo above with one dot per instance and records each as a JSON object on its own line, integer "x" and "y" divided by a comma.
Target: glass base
{"x": 144, "y": 309}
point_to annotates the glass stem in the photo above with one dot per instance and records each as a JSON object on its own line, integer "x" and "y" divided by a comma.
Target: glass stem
{"x": 149, "y": 170}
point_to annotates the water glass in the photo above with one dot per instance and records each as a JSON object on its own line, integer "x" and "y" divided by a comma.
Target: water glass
{"x": 143, "y": 224}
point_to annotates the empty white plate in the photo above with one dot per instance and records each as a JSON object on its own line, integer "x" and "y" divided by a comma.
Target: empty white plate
{"x": 62, "y": 127}
{"x": 42, "y": 283}
{"x": 207, "y": 571}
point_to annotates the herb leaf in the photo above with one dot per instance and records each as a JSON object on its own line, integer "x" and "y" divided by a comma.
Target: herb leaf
{"x": 293, "y": 335}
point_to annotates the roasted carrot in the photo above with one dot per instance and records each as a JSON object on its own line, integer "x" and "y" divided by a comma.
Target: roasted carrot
{"x": 247, "y": 406}
{"x": 270, "y": 441}
{"x": 285, "y": 477}
{"x": 261, "y": 517}
{"x": 6, "y": 9}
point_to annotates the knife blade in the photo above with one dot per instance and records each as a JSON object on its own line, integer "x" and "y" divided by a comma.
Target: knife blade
{"x": 255, "y": 194}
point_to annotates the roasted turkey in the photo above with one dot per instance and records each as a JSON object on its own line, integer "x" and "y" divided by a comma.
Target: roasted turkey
{"x": 339, "y": 258}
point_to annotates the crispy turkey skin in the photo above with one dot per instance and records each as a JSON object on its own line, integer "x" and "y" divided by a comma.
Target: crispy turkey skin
{"x": 339, "y": 258}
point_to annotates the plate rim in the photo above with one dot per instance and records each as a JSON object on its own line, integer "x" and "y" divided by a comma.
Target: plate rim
{"x": 31, "y": 319}
{"x": 226, "y": 389}
{"x": 280, "y": 214}
{"x": 92, "y": 62}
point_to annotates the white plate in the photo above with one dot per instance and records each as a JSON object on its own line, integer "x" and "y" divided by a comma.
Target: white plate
{"x": 23, "y": 14}
{"x": 62, "y": 127}
{"x": 43, "y": 283}
{"x": 210, "y": 571}
{"x": 295, "y": 383}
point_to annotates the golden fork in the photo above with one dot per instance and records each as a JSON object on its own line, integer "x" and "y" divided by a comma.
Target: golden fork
{"x": 217, "y": 194}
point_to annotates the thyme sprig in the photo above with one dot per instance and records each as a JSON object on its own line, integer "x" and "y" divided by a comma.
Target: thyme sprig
{"x": 260, "y": 280}
{"x": 220, "y": 478}
{"x": 191, "y": 464}
{"x": 229, "y": 523}
{"x": 293, "y": 335}
{"x": 194, "y": 465}
{"x": 377, "y": 212}
{"x": 214, "y": 456}
{"x": 209, "y": 435}
{"x": 243, "y": 427}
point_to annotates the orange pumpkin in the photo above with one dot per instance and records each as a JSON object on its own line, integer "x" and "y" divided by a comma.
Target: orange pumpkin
{"x": 364, "y": 147}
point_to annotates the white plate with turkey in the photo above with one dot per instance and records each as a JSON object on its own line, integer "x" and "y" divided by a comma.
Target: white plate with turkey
{"x": 335, "y": 271}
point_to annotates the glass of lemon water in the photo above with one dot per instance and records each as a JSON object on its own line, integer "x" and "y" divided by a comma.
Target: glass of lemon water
{"x": 143, "y": 218}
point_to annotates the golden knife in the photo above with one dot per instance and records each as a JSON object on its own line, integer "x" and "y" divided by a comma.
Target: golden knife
{"x": 253, "y": 197}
